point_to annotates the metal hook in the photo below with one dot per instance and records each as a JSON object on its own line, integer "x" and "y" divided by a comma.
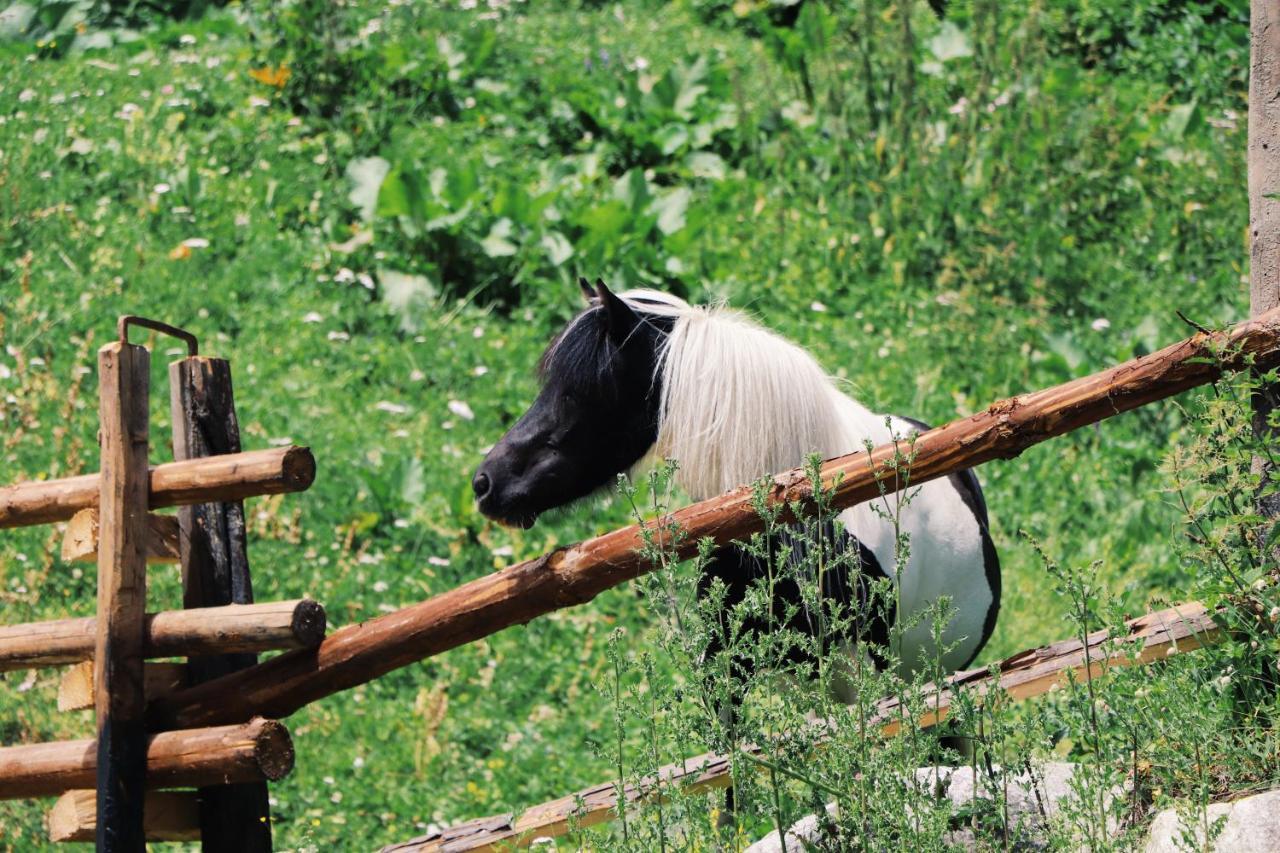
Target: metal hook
{"x": 127, "y": 320}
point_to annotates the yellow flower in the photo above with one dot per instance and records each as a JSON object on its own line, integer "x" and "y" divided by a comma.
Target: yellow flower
{"x": 180, "y": 252}
{"x": 269, "y": 76}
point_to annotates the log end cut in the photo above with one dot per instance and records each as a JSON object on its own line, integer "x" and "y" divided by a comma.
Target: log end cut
{"x": 309, "y": 623}
{"x": 273, "y": 749}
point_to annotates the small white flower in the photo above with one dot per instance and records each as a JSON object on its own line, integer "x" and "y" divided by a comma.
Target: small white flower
{"x": 366, "y": 280}
{"x": 641, "y": 63}
{"x": 186, "y": 38}
{"x": 344, "y": 276}
{"x": 1100, "y": 325}
{"x": 242, "y": 220}
{"x": 959, "y": 107}
{"x": 504, "y": 551}
{"x": 258, "y": 101}
{"x": 26, "y": 95}
{"x": 392, "y": 408}
{"x": 462, "y": 410}
{"x": 196, "y": 243}
{"x": 477, "y": 332}
{"x": 380, "y": 586}
{"x": 480, "y": 370}
{"x": 400, "y": 523}
{"x": 128, "y": 111}
{"x": 339, "y": 336}
{"x": 328, "y": 780}
{"x": 817, "y": 306}
{"x": 161, "y": 188}
{"x": 312, "y": 317}
{"x": 358, "y": 762}
{"x": 280, "y": 441}
{"x": 28, "y": 682}
{"x": 416, "y": 375}
{"x": 437, "y": 561}
{"x": 5, "y": 372}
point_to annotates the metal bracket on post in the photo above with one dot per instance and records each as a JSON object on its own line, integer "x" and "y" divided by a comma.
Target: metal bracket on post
{"x": 127, "y": 320}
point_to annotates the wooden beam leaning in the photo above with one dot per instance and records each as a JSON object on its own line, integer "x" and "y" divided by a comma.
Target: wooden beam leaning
{"x": 80, "y": 542}
{"x": 215, "y": 571}
{"x": 167, "y": 816}
{"x": 75, "y": 689}
{"x": 259, "y": 749}
{"x": 124, "y": 379}
{"x": 217, "y": 478}
{"x": 243, "y": 628}
{"x": 576, "y": 574}
{"x": 1150, "y": 638}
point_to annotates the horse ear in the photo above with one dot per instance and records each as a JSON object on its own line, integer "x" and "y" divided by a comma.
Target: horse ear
{"x": 622, "y": 320}
{"x": 588, "y": 292}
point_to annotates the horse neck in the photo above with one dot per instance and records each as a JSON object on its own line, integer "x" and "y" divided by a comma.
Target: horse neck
{"x": 740, "y": 403}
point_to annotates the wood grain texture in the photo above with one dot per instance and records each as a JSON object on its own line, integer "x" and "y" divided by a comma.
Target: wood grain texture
{"x": 124, "y": 379}
{"x": 215, "y": 571}
{"x": 253, "y": 751}
{"x": 1150, "y": 638}
{"x": 80, "y": 542}
{"x": 168, "y": 816}
{"x": 172, "y": 633}
{"x": 75, "y": 689}
{"x": 217, "y": 478}
{"x": 576, "y": 574}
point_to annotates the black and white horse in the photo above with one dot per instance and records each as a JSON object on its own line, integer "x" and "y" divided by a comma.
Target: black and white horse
{"x": 645, "y": 374}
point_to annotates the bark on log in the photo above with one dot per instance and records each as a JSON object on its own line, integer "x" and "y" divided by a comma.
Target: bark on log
{"x": 253, "y": 751}
{"x": 1151, "y": 638}
{"x": 215, "y": 572}
{"x": 172, "y": 633}
{"x": 75, "y": 689}
{"x": 574, "y": 575}
{"x": 217, "y": 478}
{"x": 80, "y": 542}
{"x": 124, "y": 380}
{"x": 167, "y": 816}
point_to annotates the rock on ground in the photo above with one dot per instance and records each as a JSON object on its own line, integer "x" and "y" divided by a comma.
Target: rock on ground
{"x": 1251, "y": 825}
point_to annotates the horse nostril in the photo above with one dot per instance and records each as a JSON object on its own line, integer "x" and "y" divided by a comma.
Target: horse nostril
{"x": 481, "y": 485}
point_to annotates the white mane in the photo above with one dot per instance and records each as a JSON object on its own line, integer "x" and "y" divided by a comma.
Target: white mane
{"x": 740, "y": 402}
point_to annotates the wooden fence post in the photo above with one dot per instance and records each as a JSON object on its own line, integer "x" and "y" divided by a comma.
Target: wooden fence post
{"x": 124, "y": 377}
{"x": 1264, "y": 212}
{"x": 215, "y": 572}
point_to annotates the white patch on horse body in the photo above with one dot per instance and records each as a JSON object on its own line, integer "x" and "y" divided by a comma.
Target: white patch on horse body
{"x": 739, "y": 402}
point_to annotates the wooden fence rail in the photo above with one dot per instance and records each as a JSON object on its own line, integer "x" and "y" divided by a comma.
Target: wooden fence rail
{"x": 215, "y": 478}
{"x": 569, "y": 576}
{"x": 1150, "y": 638}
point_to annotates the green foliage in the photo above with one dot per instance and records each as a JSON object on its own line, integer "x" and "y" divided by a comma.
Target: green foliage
{"x": 378, "y": 211}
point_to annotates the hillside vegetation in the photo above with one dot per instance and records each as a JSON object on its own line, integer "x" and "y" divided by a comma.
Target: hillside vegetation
{"x": 379, "y": 212}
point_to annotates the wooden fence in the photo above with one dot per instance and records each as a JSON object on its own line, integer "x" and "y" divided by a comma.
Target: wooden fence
{"x": 211, "y": 720}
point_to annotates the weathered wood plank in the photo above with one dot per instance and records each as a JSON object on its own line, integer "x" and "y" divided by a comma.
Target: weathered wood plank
{"x": 1150, "y": 638}
{"x": 80, "y": 542}
{"x": 259, "y": 749}
{"x": 578, "y": 573}
{"x": 168, "y": 816}
{"x": 215, "y": 571}
{"x": 124, "y": 380}
{"x": 75, "y": 689}
{"x": 172, "y": 633}
{"x": 217, "y": 478}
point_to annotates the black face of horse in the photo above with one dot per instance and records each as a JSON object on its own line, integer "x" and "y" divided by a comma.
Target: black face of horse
{"x": 597, "y": 415}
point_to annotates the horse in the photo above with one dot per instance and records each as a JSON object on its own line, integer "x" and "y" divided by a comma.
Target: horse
{"x": 644, "y": 374}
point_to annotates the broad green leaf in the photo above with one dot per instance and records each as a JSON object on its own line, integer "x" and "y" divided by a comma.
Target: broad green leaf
{"x": 496, "y": 244}
{"x": 669, "y": 208}
{"x": 407, "y": 296}
{"x": 671, "y": 137}
{"x": 558, "y": 248}
{"x": 16, "y": 20}
{"x": 704, "y": 164}
{"x": 950, "y": 43}
{"x": 1181, "y": 119}
{"x": 366, "y": 175}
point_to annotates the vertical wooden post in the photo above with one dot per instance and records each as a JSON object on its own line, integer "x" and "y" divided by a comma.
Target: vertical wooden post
{"x": 1264, "y": 212}
{"x": 215, "y": 572}
{"x": 124, "y": 374}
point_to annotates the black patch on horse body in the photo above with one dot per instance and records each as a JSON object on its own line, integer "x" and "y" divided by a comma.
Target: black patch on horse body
{"x": 966, "y": 484}
{"x": 850, "y": 567}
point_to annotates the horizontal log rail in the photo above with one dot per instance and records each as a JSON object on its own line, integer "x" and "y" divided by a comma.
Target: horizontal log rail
{"x": 1150, "y": 638}
{"x": 576, "y": 574}
{"x": 264, "y": 627}
{"x": 251, "y": 752}
{"x": 231, "y": 477}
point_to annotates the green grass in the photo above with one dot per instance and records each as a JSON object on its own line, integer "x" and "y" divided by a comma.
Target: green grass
{"x": 938, "y": 252}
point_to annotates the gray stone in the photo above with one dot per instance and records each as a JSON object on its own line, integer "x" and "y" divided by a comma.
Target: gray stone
{"x": 1250, "y": 825}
